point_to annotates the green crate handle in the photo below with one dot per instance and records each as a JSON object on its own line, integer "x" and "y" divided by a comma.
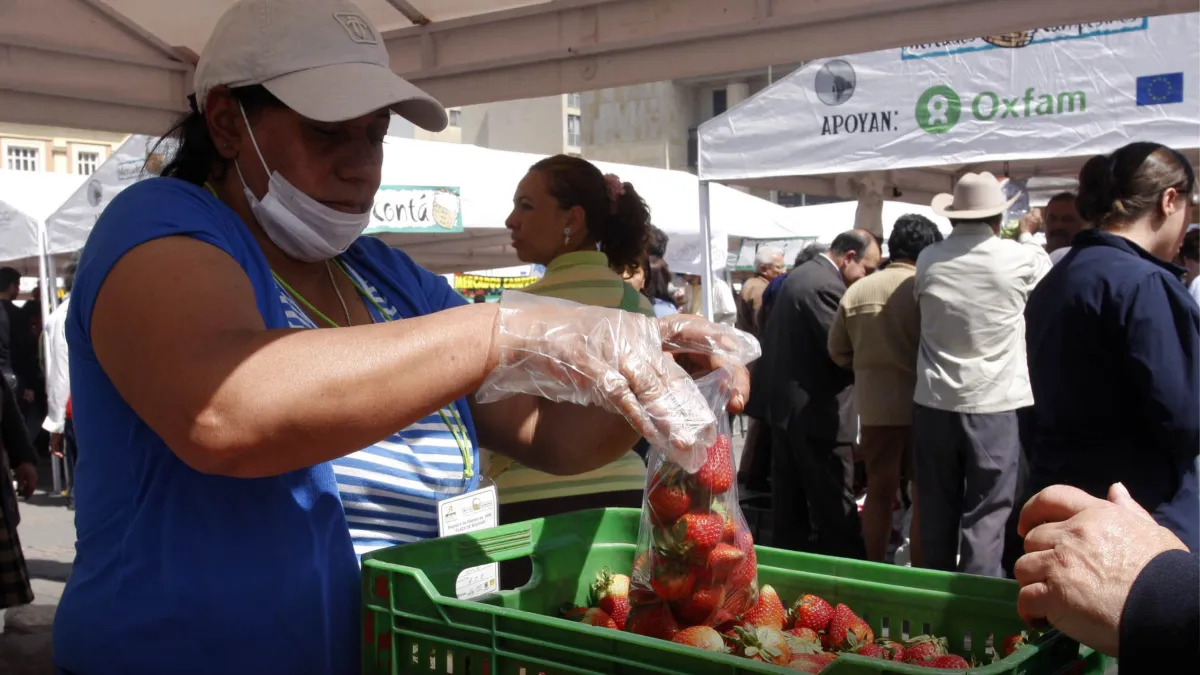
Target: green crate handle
{"x": 508, "y": 542}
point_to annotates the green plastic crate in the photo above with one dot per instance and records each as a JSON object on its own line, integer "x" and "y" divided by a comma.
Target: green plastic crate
{"x": 414, "y": 624}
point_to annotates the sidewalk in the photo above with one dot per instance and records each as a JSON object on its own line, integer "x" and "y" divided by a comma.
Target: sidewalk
{"x": 47, "y": 533}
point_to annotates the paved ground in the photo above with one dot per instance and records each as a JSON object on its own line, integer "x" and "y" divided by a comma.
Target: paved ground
{"x": 48, "y": 538}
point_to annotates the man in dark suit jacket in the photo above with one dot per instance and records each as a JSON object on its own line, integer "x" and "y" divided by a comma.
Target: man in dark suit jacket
{"x": 809, "y": 404}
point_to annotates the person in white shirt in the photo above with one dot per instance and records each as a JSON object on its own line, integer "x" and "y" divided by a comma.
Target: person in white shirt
{"x": 58, "y": 382}
{"x": 972, "y": 376}
{"x": 723, "y": 304}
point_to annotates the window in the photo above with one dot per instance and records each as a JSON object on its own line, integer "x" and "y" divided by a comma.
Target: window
{"x": 22, "y": 156}
{"x": 86, "y": 162}
{"x": 574, "y": 130}
{"x": 455, "y": 117}
{"x": 574, "y": 101}
{"x": 719, "y": 101}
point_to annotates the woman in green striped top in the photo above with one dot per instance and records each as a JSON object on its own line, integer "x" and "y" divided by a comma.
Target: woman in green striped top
{"x": 586, "y": 228}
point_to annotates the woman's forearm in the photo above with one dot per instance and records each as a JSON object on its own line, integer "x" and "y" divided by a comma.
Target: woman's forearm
{"x": 277, "y": 409}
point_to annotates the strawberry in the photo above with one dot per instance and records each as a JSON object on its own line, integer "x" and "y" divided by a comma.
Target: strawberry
{"x": 669, "y": 498}
{"x": 883, "y": 648}
{"x": 811, "y": 611}
{"x": 610, "y": 592}
{"x": 701, "y": 637}
{"x": 698, "y": 532}
{"x": 571, "y": 611}
{"x": 806, "y": 634}
{"x": 763, "y": 644}
{"x": 808, "y": 663}
{"x": 672, "y": 580}
{"x": 731, "y": 526}
{"x": 924, "y": 648}
{"x": 949, "y": 661}
{"x": 768, "y": 612}
{"x": 744, "y": 574}
{"x": 706, "y": 598}
{"x": 723, "y": 560}
{"x": 847, "y": 631}
{"x": 652, "y": 620}
{"x": 595, "y": 616}
{"x": 716, "y": 474}
{"x": 1014, "y": 642}
{"x": 736, "y": 602}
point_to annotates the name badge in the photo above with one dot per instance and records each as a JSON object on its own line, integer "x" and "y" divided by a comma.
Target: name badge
{"x": 470, "y": 512}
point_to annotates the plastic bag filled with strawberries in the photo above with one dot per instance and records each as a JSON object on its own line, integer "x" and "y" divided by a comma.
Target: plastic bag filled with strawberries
{"x": 695, "y": 563}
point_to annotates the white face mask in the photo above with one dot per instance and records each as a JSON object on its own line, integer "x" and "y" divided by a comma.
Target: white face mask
{"x": 302, "y": 227}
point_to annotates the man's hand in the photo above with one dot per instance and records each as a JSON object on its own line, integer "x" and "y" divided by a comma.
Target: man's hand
{"x": 26, "y": 479}
{"x": 1031, "y": 222}
{"x": 1082, "y": 555}
{"x": 56, "y": 444}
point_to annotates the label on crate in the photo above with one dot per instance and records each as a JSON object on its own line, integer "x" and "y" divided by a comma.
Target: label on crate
{"x": 472, "y": 511}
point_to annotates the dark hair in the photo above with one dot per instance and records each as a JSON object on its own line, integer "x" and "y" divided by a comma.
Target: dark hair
{"x": 620, "y": 226}
{"x": 856, "y": 241}
{"x": 658, "y": 279}
{"x": 1122, "y": 187}
{"x": 809, "y": 252}
{"x": 1191, "y": 245}
{"x": 656, "y": 244}
{"x": 8, "y": 277}
{"x": 1062, "y": 197}
{"x": 196, "y": 157}
{"x": 910, "y": 235}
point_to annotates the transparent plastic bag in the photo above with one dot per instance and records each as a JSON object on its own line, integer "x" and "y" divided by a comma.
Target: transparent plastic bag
{"x": 695, "y": 560}
{"x": 567, "y": 352}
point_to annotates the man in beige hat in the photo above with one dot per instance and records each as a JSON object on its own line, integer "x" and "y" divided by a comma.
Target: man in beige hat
{"x": 971, "y": 376}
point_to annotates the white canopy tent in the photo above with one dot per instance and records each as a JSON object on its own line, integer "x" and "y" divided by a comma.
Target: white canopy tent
{"x": 905, "y": 123}
{"x": 18, "y": 233}
{"x": 125, "y": 65}
{"x": 413, "y": 172}
{"x": 36, "y": 195}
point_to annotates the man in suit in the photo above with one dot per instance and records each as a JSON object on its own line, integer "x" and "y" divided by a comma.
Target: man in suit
{"x": 809, "y": 406}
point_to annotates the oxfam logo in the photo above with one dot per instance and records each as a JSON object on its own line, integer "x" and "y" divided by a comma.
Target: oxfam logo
{"x": 938, "y": 109}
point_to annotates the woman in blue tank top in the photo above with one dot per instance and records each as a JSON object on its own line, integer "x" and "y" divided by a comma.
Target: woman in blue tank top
{"x": 261, "y": 394}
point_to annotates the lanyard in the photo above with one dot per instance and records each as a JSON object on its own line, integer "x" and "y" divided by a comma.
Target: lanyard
{"x": 458, "y": 429}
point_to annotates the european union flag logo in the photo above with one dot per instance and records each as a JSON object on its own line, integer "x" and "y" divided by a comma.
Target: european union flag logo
{"x": 1160, "y": 89}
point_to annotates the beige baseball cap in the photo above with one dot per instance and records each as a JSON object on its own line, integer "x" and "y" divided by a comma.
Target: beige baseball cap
{"x": 322, "y": 58}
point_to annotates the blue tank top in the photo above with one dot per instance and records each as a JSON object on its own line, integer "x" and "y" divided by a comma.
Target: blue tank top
{"x": 182, "y": 572}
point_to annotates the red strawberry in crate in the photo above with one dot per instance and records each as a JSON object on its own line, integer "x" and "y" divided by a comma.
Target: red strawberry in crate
{"x": 702, "y": 637}
{"x": 807, "y": 634}
{"x": 743, "y": 575}
{"x": 731, "y": 527}
{"x": 672, "y": 579}
{"x": 1012, "y": 643}
{"x": 763, "y": 644}
{"x": 768, "y": 612}
{"x": 808, "y": 663}
{"x": 669, "y": 498}
{"x": 723, "y": 560}
{"x": 883, "y": 648}
{"x": 652, "y": 620}
{"x": 707, "y": 597}
{"x": 811, "y": 611}
{"x": 924, "y": 648}
{"x": 610, "y": 593}
{"x": 847, "y": 631}
{"x": 716, "y": 474}
{"x": 594, "y": 616}
{"x": 949, "y": 661}
{"x": 698, "y": 532}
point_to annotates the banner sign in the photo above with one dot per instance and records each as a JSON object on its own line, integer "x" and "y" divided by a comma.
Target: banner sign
{"x": 464, "y": 282}
{"x": 415, "y": 210}
{"x": 790, "y": 247}
{"x": 1060, "y": 91}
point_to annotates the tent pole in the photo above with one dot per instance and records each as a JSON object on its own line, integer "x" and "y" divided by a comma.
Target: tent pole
{"x": 44, "y": 283}
{"x": 706, "y": 261}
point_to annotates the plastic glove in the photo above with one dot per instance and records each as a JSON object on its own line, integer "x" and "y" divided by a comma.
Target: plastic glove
{"x": 566, "y": 352}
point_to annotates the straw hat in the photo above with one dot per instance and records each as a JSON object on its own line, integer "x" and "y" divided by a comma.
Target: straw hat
{"x": 976, "y": 196}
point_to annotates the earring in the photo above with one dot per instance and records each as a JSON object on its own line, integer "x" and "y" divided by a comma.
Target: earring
{"x": 566, "y": 236}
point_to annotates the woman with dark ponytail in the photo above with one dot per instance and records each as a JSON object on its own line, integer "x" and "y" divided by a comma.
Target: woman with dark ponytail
{"x": 1113, "y": 337}
{"x": 588, "y": 229}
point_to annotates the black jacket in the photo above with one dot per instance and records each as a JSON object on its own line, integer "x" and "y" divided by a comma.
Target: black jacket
{"x": 18, "y": 349}
{"x": 799, "y": 382}
{"x": 17, "y": 450}
{"x": 1160, "y": 624}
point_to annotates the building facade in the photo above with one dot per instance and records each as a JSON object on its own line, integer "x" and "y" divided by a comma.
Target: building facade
{"x": 55, "y": 149}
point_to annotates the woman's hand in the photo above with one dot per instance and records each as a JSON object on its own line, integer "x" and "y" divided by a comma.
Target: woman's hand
{"x": 566, "y": 352}
{"x": 700, "y": 347}
{"x": 26, "y": 475}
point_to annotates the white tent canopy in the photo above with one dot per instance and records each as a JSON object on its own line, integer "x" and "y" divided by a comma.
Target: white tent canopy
{"x": 905, "y": 123}
{"x": 125, "y": 65}
{"x": 485, "y": 181}
{"x": 35, "y": 195}
{"x": 824, "y": 222}
{"x": 18, "y": 233}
